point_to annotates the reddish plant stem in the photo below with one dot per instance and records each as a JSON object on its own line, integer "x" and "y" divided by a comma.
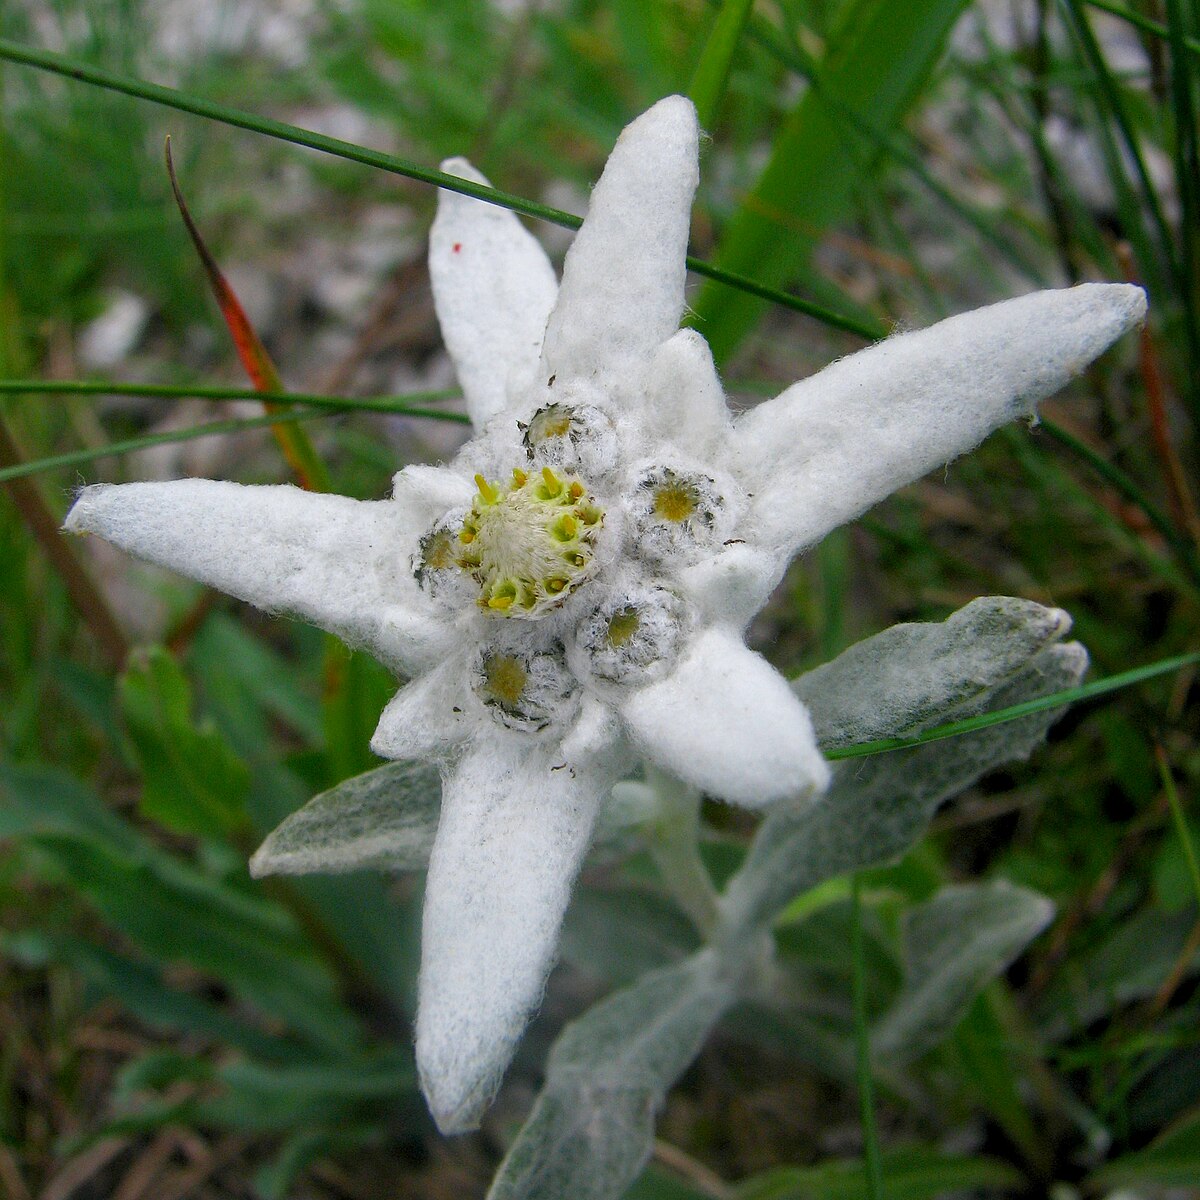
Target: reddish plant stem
{"x": 1179, "y": 496}
{"x": 44, "y": 526}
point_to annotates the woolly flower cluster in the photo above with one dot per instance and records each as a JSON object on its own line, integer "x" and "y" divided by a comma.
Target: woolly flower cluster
{"x": 570, "y": 594}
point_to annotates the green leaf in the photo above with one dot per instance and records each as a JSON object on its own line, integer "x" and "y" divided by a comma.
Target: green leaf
{"x": 330, "y": 1095}
{"x": 1171, "y": 1161}
{"x": 378, "y": 928}
{"x": 276, "y": 1180}
{"x": 192, "y": 782}
{"x": 263, "y": 1097}
{"x": 171, "y": 910}
{"x": 357, "y": 688}
{"x": 1127, "y": 965}
{"x": 282, "y": 686}
{"x": 591, "y": 1130}
{"x": 877, "y": 807}
{"x": 913, "y": 674}
{"x": 618, "y": 935}
{"x": 384, "y": 819}
{"x": 992, "y": 1058}
{"x": 142, "y": 990}
{"x": 1172, "y": 874}
{"x": 656, "y": 1184}
{"x": 955, "y": 943}
{"x": 878, "y": 59}
{"x": 1054, "y": 701}
{"x": 911, "y": 1174}
{"x": 711, "y": 76}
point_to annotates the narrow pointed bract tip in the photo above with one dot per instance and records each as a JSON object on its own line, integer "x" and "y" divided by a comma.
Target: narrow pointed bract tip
{"x": 672, "y": 116}
{"x": 79, "y": 518}
{"x": 455, "y": 1108}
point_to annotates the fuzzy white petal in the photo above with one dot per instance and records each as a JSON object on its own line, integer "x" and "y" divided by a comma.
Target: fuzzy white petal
{"x": 340, "y": 563}
{"x": 729, "y": 587}
{"x": 623, "y": 279}
{"x": 685, "y": 403}
{"x": 512, "y": 835}
{"x": 493, "y": 288}
{"x": 834, "y": 444}
{"x": 429, "y": 492}
{"x": 726, "y": 721}
{"x": 434, "y": 712}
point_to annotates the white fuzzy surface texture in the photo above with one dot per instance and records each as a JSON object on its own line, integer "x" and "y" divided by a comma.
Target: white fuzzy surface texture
{"x": 622, "y": 286}
{"x": 512, "y": 835}
{"x": 726, "y": 722}
{"x": 832, "y": 445}
{"x": 493, "y": 289}
{"x": 336, "y": 562}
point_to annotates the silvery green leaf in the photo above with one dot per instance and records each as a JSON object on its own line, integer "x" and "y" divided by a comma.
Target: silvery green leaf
{"x": 384, "y": 819}
{"x": 1127, "y": 965}
{"x": 877, "y": 807}
{"x": 620, "y": 827}
{"x": 782, "y": 1028}
{"x": 617, "y": 935}
{"x": 954, "y": 944}
{"x": 591, "y": 1130}
{"x": 911, "y": 676}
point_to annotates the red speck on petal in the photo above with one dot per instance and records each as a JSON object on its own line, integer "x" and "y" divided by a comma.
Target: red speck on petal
{"x": 457, "y": 247}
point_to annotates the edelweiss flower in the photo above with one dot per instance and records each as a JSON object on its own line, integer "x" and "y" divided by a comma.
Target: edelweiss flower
{"x": 570, "y": 593}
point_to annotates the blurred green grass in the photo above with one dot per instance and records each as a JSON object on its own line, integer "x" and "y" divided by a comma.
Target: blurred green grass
{"x": 1047, "y": 143}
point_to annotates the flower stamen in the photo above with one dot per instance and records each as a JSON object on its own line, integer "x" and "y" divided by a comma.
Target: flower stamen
{"x": 530, "y": 545}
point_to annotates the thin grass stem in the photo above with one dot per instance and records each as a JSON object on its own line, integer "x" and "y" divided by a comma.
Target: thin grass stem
{"x": 87, "y": 597}
{"x": 1180, "y": 819}
{"x": 862, "y": 1046}
{"x": 410, "y": 405}
{"x": 1110, "y": 104}
{"x": 75, "y": 458}
{"x": 71, "y": 68}
{"x": 1087, "y": 691}
{"x": 1187, "y": 181}
{"x": 1144, "y": 23}
{"x": 1126, "y": 486}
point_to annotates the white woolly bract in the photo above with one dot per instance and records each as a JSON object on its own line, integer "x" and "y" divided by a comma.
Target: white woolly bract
{"x": 493, "y": 288}
{"x": 336, "y": 562}
{"x": 831, "y": 446}
{"x": 622, "y": 286}
{"x": 726, "y": 722}
{"x": 515, "y": 826}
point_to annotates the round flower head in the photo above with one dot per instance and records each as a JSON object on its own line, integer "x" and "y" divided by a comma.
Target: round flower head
{"x": 571, "y": 592}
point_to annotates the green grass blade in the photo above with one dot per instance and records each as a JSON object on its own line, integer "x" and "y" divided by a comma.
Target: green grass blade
{"x": 1187, "y": 181}
{"x": 1144, "y": 23}
{"x": 1087, "y": 691}
{"x": 896, "y": 146}
{"x": 1129, "y": 489}
{"x": 297, "y": 449}
{"x": 912, "y": 1173}
{"x": 862, "y": 1049}
{"x": 1180, "y": 819}
{"x": 876, "y": 65}
{"x": 84, "y": 72}
{"x": 1111, "y": 106}
{"x": 76, "y": 458}
{"x": 711, "y": 76}
{"x": 410, "y": 405}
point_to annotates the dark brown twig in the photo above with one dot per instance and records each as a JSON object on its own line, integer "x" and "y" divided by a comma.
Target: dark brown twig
{"x": 44, "y": 526}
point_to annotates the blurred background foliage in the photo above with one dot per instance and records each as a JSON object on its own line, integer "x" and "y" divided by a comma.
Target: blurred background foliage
{"x": 170, "y": 1028}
